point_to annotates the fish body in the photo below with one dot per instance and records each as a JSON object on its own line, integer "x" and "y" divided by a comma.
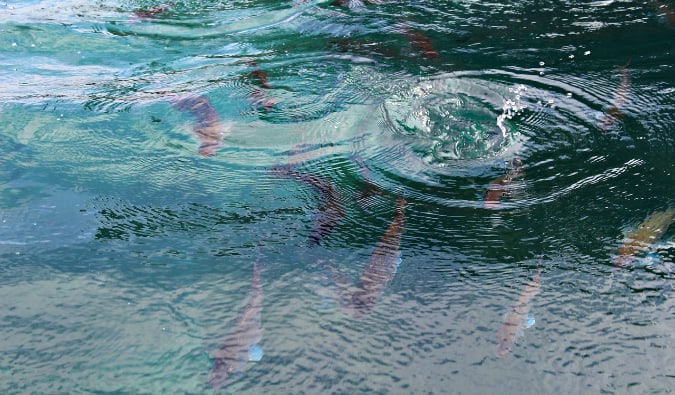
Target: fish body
{"x": 516, "y": 319}
{"x": 149, "y": 13}
{"x": 330, "y": 211}
{"x": 381, "y": 267}
{"x": 614, "y": 112}
{"x": 209, "y": 129}
{"x": 257, "y": 96}
{"x": 420, "y": 43}
{"x": 242, "y": 344}
{"x": 499, "y": 187}
{"x": 640, "y": 240}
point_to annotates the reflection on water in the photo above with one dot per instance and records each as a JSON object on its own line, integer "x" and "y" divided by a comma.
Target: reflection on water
{"x": 426, "y": 178}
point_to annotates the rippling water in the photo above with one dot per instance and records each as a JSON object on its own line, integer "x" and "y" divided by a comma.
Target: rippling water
{"x": 403, "y": 171}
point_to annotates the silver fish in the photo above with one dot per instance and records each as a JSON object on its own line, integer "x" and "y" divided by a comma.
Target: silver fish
{"x": 516, "y": 318}
{"x": 242, "y": 344}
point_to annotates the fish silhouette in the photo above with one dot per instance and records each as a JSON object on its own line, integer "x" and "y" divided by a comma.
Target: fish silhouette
{"x": 209, "y": 129}
{"x": 258, "y": 97}
{"x": 149, "y": 13}
{"x": 516, "y": 319}
{"x": 379, "y": 271}
{"x": 330, "y": 211}
{"x": 614, "y": 112}
{"x": 242, "y": 344}
{"x": 499, "y": 187}
{"x": 420, "y": 43}
{"x": 642, "y": 239}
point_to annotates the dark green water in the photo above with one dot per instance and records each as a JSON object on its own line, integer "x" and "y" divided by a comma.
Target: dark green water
{"x": 126, "y": 257}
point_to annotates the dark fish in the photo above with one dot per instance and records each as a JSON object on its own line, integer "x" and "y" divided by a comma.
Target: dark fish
{"x": 381, "y": 267}
{"x": 516, "y": 319}
{"x": 148, "y": 13}
{"x": 330, "y": 211}
{"x": 420, "y": 43}
{"x": 209, "y": 130}
{"x": 614, "y": 112}
{"x": 499, "y": 187}
{"x": 242, "y": 344}
{"x": 364, "y": 197}
{"x": 640, "y": 240}
{"x": 257, "y": 96}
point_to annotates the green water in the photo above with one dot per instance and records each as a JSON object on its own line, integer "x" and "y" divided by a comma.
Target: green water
{"x": 126, "y": 257}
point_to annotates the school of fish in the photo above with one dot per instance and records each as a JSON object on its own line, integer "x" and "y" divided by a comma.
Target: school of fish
{"x": 242, "y": 345}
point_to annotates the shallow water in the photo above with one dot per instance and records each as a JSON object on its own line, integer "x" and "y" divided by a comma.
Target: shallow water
{"x": 126, "y": 256}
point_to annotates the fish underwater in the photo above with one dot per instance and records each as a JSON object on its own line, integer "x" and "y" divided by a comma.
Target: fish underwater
{"x": 420, "y": 43}
{"x": 257, "y": 96}
{"x": 517, "y": 318}
{"x": 242, "y": 344}
{"x": 379, "y": 271}
{"x": 330, "y": 211}
{"x": 149, "y": 13}
{"x": 499, "y": 187}
{"x": 209, "y": 129}
{"x": 614, "y": 112}
{"x": 642, "y": 239}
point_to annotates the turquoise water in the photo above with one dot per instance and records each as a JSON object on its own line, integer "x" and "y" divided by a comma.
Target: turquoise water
{"x": 126, "y": 257}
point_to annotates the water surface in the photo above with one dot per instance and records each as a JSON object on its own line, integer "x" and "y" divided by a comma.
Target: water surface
{"x": 126, "y": 256}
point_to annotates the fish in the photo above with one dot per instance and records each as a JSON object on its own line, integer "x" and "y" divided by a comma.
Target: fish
{"x": 149, "y": 13}
{"x": 516, "y": 319}
{"x": 209, "y": 129}
{"x": 330, "y": 211}
{"x": 365, "y": 196}
{"x": 614, "y": 112}
{"x": 420, "y": 43}
{"x": 381, "y": 268}
{"x": 257, "y": 96}
{"x": 242, "y": 345}
{"x": 641, "y": 240}
{"x": 499, "y": 187}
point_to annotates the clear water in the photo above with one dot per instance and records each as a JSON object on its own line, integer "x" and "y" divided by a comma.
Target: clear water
{"x": 126, "y": 257}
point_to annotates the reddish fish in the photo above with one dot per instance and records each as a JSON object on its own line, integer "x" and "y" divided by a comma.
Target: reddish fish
{"x": 516, "y": 319}
{"x": 381, "y": 267}
{"x": 242, "y": 344}
{"x": 640, "y": 240}
{"x": 420, "y": 43}
{"x": 209, "y": 130}
{"x": 499, "y": 187}
{"x": 149, "y": 13}
{"x": 330, "y": 211}
{"x": 257, "y": 96}
{"x": 614, "y": 112}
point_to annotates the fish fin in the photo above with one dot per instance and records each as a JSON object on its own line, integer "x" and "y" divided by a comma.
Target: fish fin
{"x": 529, "y": 321}
{"x": 255, "y": 353}
{"x": 398, "y": 262}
